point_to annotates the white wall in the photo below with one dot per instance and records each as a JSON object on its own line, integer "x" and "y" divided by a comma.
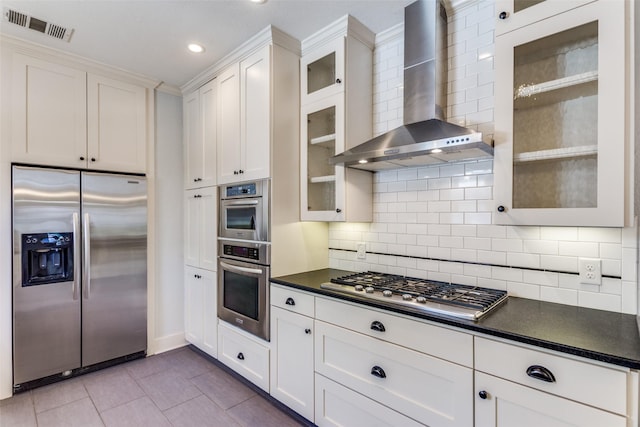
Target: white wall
{"x": 169, "y": 263}
{"x": 436, "y": 222}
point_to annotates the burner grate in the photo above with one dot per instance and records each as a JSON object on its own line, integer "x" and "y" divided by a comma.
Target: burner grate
{"x": 472, "y": 297}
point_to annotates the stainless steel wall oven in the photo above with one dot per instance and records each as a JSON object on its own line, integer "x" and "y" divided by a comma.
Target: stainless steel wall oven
{"x": 244, "y": 211}
{"x": 244, "y": 257}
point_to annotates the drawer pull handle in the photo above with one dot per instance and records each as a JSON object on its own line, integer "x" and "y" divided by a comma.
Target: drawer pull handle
{"x": 307, "y": 331}
{"x": 377, "y": 371}
{"x": 541, "y": 373}
{"x": 377, "y": 326}
{"x": 290, "y": 301}
{"x": 483, "y": 394}
{"x": 240, "y": 356}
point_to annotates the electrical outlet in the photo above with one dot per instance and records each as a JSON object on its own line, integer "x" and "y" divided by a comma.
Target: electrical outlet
{"x": 361, "y": 252}
{"x": 590, "y": 271}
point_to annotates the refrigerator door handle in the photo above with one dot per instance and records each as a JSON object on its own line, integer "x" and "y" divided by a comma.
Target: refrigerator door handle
{"x": 76, "y": 255}
{"x": 86, "y": 268}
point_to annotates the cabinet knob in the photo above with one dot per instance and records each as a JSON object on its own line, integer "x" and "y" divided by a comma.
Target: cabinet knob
{"x": 240, "y": 171}
{"x": 541, "y": 373}
{"x": 307, "y": 331}
{"x": 483, "y": 394}
{"x": 240, "y": 356}
{"x": 377, "y": 371}
{"x": 93, "y": 159}
{"x": 503, "y": 15}
{"x": 82, "y": 158}
{"x": 290, "y": 301}
{"x": 377, "y": 326}
{"x": 338, "y": 81}
{"x": 338, "y": 210}
{"x": 235, "y": 172}
{"x": 501, "y": 208}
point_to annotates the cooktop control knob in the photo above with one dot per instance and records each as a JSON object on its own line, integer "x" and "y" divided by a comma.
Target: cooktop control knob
{"x": 387, "y": 293}
{"x": 421, "y": 300}
{"x": 359, "y": 288}
{"x": 368, "y": 290}
{"x": 406, "y": 297}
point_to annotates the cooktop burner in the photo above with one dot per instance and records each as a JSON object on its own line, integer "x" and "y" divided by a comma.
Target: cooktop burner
{"x": 421, "y": 295}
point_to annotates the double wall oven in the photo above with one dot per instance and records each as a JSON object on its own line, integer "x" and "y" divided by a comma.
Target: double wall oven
{"x": 244, "y": 256}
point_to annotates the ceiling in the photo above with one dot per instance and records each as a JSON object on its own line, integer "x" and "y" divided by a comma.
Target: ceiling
{"x": 149, "y": 37}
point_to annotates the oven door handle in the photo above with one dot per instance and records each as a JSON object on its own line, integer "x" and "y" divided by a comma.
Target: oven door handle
{"x": 241, "y": 269}
{"x": 241, "y": 202}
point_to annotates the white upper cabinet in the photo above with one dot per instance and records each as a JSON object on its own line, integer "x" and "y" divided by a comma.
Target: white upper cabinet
{"x": 49, "y": 114}
{"x": 255, "y": 114}
{"x": 322, "y": 72}
{"x": 200, "y": 135}
{"x": 244, "y": 119}
{"x": 64, "y": 116}
{"x": 561, "y": 139}
{"x": 336, "y": 114}
{"x": 229, "y": 124}
{"x": 512, "y": 14}
{"x": 116, "y": 125}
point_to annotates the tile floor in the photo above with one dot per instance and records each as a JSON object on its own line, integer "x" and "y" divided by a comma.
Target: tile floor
{"x": 177, "y": 388}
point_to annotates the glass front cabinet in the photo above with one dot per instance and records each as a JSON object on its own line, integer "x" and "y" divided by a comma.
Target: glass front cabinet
{"x": 560, "y": 118}
{"x": 336, "y": 114}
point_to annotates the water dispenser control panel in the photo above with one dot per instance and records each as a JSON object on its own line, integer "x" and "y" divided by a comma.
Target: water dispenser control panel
{"x": 47, "y": 258}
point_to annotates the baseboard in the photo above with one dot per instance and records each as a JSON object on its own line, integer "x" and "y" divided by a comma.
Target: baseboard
{"x": 168, "y": 342}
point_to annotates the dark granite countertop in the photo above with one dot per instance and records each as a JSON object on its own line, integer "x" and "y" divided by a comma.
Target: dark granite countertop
{"x": 593, "y": 334}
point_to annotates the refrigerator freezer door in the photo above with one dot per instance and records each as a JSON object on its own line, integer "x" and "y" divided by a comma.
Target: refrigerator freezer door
{"x": 46, "y": 317}
{"x": 114, "y": 293}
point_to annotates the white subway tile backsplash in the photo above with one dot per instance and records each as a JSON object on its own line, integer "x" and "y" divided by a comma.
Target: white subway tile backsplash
{"x": 436, "y": 221}
{"x": 579, "y": 249}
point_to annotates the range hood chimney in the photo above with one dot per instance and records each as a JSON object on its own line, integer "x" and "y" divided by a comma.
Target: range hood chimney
{"x": 426, "y": 137}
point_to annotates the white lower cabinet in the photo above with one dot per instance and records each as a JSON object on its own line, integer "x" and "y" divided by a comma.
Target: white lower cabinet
{"x": 245, "y": 354}
{"x": 339, "y": 406}
{"x": 430, "y": 390}
{"x": 201, "y": 318}
{"x": 519, "y": 386}
{"x": 507, "y": 404}
{"x": 292, "y": 360}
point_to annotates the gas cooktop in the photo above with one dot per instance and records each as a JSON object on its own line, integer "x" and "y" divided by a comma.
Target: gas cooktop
{"x": 420, "y": 295}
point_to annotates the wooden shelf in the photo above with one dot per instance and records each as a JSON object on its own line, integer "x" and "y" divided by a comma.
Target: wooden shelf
{"x": 323, "y": 140}
{"x": 321, "y": 179}
{"x": 556, "y": 153}
{"x": 525, "y": 91}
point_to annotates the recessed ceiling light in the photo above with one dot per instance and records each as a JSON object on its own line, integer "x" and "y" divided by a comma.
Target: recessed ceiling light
{"x": 258, "y": 1}
{"x": 436, "y": 151}
{"x": 362, "y": 162}
{"x": 196, "y": 48}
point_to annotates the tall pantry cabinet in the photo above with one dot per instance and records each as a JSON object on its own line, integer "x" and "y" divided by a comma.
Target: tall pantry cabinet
{"x": 563, "y": 146}
{"x": 241, "y": 123}
{"x": 200, "y": 217}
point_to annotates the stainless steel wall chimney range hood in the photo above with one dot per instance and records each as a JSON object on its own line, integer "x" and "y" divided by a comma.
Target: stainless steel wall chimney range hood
{"x": 426, "y": 137}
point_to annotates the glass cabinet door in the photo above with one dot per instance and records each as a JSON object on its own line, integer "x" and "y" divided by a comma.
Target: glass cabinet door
{"x": 322, "y": 136}
{"x": 565, "y": 120}
{"x": 323, "y": 71}
{"x": 512, "y": 14}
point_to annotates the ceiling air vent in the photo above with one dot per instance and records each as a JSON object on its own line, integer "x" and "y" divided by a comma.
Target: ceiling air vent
{"x": 38, "y": 25}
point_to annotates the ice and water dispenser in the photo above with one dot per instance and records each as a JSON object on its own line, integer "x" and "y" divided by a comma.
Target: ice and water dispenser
{"x": 47, "y": 258}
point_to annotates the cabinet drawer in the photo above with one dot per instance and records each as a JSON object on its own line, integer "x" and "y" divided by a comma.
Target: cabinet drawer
{"x": 339, "y": 406}
{"x": 430, "y": 390}
{"x": 436, "y": 341}
{"x": 584, "y": 382}
{"x": 292, "y": 300}
{"x": 244, "y": 355}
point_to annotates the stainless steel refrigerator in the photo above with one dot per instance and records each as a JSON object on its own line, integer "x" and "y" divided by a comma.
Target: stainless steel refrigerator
{"x": 79, "y": 270}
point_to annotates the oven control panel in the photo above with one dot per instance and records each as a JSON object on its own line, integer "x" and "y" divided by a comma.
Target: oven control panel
{"x": 241, "y": 190}
{"x": 241, "y": 252}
